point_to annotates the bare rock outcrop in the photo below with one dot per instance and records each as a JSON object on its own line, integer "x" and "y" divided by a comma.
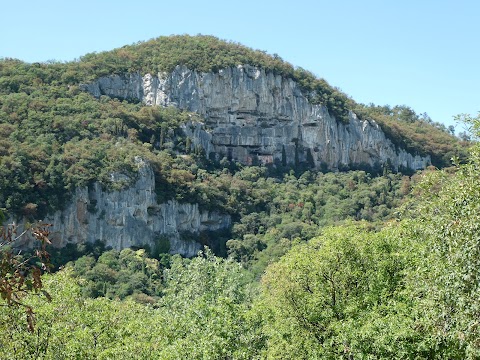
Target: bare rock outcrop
{"x": 254, "y": 116}
{"x": 132, "y": 217}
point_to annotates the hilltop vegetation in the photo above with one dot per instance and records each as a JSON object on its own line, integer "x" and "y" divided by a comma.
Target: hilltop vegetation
{"x": 316, "y": 265}
{"x": 207, "y": 53}
{"x": 415, "y": 133}
{"x": 55, "y": 137}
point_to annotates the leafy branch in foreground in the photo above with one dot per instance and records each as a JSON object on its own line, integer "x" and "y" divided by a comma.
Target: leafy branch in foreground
{"x": 20, "y": 275}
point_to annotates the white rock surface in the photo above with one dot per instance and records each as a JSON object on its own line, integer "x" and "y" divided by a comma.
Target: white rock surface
{"x": 256, "y": 116}
{"x": 250, "y": 116}
{"x": 132, "y": 217}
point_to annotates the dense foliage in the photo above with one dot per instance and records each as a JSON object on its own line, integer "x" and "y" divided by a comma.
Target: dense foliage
{"x": 405, "y": 289}
{"x": 339, "y": 297}
{"x": 204, "y": 313}
{"x": 317, "y": 265}
{"x": 296, "y": 208}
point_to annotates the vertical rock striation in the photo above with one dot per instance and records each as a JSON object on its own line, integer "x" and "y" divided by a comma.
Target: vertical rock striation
{"x": 132, "y": 217}
{"x": 253, "y": 116}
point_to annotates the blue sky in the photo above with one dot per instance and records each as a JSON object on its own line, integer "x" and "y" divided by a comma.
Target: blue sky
{"x": 420, "y": 53}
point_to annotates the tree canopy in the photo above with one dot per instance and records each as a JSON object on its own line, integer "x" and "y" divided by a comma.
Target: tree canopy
{"x": 316, "y": 265}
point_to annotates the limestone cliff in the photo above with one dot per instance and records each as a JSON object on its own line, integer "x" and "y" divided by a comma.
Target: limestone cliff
{"x": 254, "y": 116}
{"x": 250, "y": 116}
{"x": 132, "y": 217}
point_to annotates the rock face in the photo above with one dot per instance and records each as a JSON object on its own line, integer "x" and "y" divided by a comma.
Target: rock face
{"x": 253, "y": 116}
{"x": 132, "y": 217}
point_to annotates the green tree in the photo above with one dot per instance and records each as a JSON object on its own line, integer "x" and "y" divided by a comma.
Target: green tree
{"x": 207, "y": 312}
{"x": 337, "y": 297}
{"x": 96, "y": 328}
{"x": 445, "y": 223}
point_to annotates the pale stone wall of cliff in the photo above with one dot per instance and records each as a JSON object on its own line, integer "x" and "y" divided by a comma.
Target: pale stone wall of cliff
{"x": 256, "y": 116}
{"x": 131, "y": 217}
{"x": 250, "y": 116}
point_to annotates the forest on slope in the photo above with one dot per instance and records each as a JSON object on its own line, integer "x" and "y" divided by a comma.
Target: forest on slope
{"x": 316, "y": 265}
{"x": 405, "y": 288}
{"x": 56, "y": 137}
